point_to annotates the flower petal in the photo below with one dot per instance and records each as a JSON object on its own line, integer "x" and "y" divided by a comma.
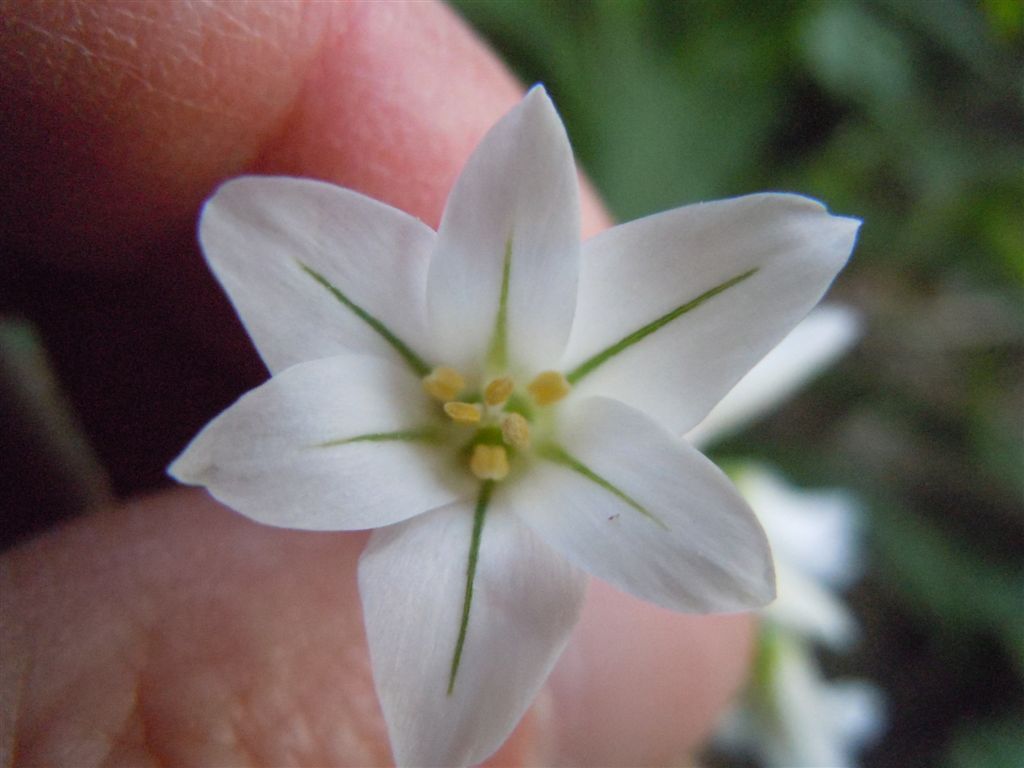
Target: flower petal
{"x": 526, "y": 599}
{"x": 503, "y": 277}
{"x": 815, "y": 721}
{"x": 816, "y": 342}
{"x": 342, "y": 443}
{"x": 673, "y": 309}
{"x": 817, "y": 531}
{"x": 858, "y": 709}
{"x": 279, "y": 245}
{"x": 638, "y": 507}
{"x": 809, "y": 609}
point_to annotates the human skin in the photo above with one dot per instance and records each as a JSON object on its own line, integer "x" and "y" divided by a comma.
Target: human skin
{"x": 168, "y": 629}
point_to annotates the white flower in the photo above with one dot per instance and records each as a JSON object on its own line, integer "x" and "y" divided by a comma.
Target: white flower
{"x": 816, "y": 543}
{"x": 503, "y": 406}
{"x": 791, "y": 715}
{"x": 814, "y": 344}
{"x": 800, "y": 719}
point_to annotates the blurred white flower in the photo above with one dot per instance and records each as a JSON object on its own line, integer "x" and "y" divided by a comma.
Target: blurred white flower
{"x": 818, "y": 341}
{"x": 795, "y": 718}
{"x": 816, "y": 541}
{"x": 791, "y": 715}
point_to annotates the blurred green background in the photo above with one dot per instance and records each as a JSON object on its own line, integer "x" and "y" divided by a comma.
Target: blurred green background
{"x": 910, "y": 115}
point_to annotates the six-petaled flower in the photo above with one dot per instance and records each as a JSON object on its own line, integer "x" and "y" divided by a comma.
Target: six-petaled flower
{"x": 503, "y": 405}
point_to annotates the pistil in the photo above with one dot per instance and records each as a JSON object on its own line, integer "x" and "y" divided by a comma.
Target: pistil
{"x": 501, "y": 415}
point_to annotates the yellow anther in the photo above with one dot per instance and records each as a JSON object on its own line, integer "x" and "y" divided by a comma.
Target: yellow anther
{"x": 463, "y": 413}
{"x": 516, "y": 430}
{"x": 497, "y": 391}
{"x": 443, "y": 383}
{"x": 489, "y": 462}
{"x": 549, "y": 387}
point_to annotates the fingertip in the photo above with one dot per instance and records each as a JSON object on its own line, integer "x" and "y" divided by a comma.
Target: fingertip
{"x": 369, "y": 120}
{"x": 123, "y": 116}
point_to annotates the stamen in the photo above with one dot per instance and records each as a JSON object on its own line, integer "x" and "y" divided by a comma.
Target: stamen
{"x": 549, "y": 387}
{"x": 463, "y": 413}
{"x": 443, "y": 383}
{"x": 516, "y": 430}
{"x": 497, "y": 391}
{"x": 489, "y": 462}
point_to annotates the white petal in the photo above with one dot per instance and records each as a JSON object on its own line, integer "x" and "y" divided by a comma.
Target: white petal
{"x": 276, "y": 455}
{"x": 809, "y": 609}
{"x": 813, "y": 345}
{"x": 639, "y": 272}
{"x": 703, "y": 551}
{"x": 817, "y": 532}
{"x": 257, "y": 232}
{"x": 817, "y": 722}
{"x": 858, "y": 709}
{"x": 526, "y": 599}
{"x": 518, "y": 191}
{"x": 804, "y": 734}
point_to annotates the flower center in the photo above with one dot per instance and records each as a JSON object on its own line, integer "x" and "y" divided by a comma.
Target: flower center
{"x": 501, "y": 417}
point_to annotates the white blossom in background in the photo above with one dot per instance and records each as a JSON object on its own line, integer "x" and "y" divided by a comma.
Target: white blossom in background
{"x": 818, "y": 341}
{"x": 816, "y": 542}
{"x": 503, "y": 405}
{"x": 791, "y": 715}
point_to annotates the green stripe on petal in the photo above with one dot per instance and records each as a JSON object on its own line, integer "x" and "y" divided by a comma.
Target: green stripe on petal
{"x": 558, "y": 455}
{"x": 589, "y": 365}
{"x": 497, "y": 355}
{"x": 424, "y": 434}
{"x": 479, "y": 514}
{"x": 415, "y": 361}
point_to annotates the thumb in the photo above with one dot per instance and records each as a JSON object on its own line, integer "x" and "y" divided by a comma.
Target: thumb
{"x": 172, "y": 631}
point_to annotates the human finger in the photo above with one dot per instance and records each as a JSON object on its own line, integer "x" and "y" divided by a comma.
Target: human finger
{"x": 342, "y": 102}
